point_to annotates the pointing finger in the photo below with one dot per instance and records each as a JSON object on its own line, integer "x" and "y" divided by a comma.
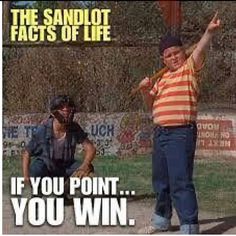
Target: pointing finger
{"x": 215, "y": 17}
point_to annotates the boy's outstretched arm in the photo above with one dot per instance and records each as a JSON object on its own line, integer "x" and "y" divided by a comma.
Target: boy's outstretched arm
{"x": 202, "y": 46}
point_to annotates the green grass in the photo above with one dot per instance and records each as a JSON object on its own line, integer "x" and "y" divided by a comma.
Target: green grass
{"x": 215, "y": 184}
{"x": 134, "y": 173}
{"x": 214, "y": 181}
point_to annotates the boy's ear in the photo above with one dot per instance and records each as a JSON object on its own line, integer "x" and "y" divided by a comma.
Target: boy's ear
{"x": 163, "y": 60}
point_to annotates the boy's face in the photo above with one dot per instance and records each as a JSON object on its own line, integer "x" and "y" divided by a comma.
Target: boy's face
{"x": 65, "y": 111}
{"x": 174, "y": 57}
{"x": 64, "y": 115}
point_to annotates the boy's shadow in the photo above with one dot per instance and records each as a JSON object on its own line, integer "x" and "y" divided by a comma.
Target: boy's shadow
{"x": 224, "y": 224}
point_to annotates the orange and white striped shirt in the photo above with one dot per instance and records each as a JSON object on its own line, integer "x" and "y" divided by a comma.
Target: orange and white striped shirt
{"x": 176, "y": 96}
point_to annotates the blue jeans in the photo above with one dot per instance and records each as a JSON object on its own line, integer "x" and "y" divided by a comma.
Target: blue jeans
{"x": 172, "y": 163}
{"x": 38, "y": 168}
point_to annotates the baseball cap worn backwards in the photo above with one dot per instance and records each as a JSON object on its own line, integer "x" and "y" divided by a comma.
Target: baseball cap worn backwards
{"x": 169, "y": 41}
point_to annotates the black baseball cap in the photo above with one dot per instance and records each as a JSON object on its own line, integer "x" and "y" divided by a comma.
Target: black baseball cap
{"x": 169, "y": 41}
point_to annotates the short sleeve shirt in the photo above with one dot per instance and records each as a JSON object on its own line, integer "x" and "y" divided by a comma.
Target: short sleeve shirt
{"x": 41, "y": 143}
{"x": 176, "y": 96}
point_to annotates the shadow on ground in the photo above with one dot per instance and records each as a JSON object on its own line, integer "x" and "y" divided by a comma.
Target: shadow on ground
{"x": 224, "y": 224}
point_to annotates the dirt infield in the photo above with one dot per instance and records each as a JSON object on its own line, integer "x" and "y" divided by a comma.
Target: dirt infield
{"x": 140, "y": 210}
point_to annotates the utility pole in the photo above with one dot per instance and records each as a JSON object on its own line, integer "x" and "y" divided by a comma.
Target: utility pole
{"x": 6, "y": 20}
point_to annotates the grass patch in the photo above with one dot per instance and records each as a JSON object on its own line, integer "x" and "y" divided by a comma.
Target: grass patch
{"x": 215, "y": 184}
{"x": 134, "y": 173}
{"x": 214, "y": 181}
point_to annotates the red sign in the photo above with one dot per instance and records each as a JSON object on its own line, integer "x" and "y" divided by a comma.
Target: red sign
{"x": 216, "y": 134}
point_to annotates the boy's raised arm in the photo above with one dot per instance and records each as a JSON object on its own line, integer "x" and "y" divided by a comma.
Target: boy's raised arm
{"x": 203, "y": 44}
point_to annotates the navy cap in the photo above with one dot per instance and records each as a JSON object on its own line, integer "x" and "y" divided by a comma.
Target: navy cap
{"x": 169, "y": 41}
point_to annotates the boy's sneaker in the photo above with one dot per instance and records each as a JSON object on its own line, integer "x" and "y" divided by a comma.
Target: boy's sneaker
{"x": 189, "y": 229}
{"x": 150, "y": 229}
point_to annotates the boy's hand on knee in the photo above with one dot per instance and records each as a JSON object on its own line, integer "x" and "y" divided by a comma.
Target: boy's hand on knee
{"x": 85, "y": 170}
{"x": 27, "y": 180}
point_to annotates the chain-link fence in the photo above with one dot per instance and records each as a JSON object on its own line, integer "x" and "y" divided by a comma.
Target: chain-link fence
{"x": 100, "y": 77}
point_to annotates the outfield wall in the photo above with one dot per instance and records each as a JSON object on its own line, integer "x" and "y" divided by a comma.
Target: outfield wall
{"x": 128, "y": 134}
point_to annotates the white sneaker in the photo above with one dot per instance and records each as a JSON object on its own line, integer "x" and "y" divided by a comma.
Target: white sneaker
{"x": 150, "y": 230}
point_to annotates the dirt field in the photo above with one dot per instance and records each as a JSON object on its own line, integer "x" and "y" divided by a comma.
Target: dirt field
{"x": 140, "y": 210}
